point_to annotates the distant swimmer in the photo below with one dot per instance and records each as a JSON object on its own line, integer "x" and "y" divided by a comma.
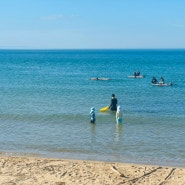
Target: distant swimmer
{"x": 100, "y": 78}
{"x": 94, "y": 78}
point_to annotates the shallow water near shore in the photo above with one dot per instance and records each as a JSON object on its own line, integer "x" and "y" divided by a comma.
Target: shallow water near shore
{"x": 46, "y": 96}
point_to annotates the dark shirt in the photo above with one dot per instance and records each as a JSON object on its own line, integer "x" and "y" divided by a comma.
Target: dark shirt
{"x": 113, "y": 105}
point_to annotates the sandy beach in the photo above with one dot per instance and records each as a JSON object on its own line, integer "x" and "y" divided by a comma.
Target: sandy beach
{"x": 39, "y": 171}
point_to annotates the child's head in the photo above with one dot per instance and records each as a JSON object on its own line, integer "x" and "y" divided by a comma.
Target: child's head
{"x": 92, "y": 109}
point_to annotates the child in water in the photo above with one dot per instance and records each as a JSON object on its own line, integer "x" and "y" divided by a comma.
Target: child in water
{"x": 92, "y": 115}
{"x": 119, "y": 115}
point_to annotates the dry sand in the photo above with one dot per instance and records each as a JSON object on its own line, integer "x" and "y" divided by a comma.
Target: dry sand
{"x": 39, "y": 171}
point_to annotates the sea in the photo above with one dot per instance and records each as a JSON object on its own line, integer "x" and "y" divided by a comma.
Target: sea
{"x": 46, "y": 97}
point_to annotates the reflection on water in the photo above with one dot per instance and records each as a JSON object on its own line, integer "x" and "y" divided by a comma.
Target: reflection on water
{"x": 93, "y": 128}
{"x": 93, "y": 132}
{"x": 119, "y": 128}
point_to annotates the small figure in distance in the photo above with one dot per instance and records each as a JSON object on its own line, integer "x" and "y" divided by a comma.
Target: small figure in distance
{"x": 171, "y": 83}
{"x": 154, "y": 80}
{"x": 138, "y": 73}
{"x": 113, "y": 104}
{"x": 119, "y": 115}
{"x": 92, "y": 115}
{"x": 135, "y": 74}
{"x": 162, "y": 80}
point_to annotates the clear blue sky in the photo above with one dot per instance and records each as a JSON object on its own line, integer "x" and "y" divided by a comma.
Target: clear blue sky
{"x": 75, "y": 24}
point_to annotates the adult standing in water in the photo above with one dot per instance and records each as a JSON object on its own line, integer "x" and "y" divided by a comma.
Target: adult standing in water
{"x": 113, "y": 104}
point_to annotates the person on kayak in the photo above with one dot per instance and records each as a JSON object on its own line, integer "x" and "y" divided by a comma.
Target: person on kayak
{"x": 137, "y": 73}
{"x": 113, "y": 104}
{"x": 154, "y": 80}
{"x": 162, "y": 80}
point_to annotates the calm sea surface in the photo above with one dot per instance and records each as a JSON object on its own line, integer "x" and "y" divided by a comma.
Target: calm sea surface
{"x": 46, "y": 96}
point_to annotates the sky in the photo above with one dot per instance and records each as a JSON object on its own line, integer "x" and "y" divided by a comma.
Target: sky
{"x": 92, "y": 24}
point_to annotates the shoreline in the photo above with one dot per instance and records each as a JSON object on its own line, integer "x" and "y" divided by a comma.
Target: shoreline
{"x": 105, "y": 159}
{"x": 34, "y": 170}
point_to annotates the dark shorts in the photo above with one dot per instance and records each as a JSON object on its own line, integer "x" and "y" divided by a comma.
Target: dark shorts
{"x": 113, "y": 108}
{"x": 92, "y": 120}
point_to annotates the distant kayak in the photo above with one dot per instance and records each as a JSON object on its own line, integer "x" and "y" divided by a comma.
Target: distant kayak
{"x": 140, "y": 76}
{"x": 99, "y": 78}
{"x": 161, "y": 84}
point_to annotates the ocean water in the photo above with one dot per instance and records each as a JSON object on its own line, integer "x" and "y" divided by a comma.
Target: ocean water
{"x": 46, "y": 96}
